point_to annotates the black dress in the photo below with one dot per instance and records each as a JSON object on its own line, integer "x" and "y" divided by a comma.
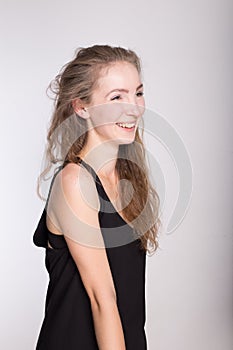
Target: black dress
{"x": 68, "y": 322}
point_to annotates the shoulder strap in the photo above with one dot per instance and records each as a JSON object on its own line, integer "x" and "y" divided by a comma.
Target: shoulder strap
{"x": 100, "y": 189}
{"x": 91, "y": 171}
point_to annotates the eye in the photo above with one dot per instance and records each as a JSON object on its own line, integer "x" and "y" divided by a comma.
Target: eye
{"x": 140, "y": 93}
{"x": 116, "y": 98}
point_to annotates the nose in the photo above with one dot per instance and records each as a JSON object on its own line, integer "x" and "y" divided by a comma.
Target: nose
{"x": 134, "y": 109}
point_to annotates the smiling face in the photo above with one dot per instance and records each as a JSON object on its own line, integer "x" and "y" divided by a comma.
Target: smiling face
{"x": 117, "y": 104}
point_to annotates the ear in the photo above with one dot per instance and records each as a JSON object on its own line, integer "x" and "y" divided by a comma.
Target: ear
{"x": 80, "y": 109}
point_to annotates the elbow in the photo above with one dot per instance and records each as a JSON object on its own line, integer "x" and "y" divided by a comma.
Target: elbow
{"x": 101, "y": 300}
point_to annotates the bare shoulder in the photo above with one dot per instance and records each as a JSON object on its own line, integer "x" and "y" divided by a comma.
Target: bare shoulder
{"x": 73, "y": 193}
{"x": 75, "y": 180}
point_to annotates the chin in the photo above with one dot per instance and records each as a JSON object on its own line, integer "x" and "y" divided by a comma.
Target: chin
{"x": 126, "y": 141}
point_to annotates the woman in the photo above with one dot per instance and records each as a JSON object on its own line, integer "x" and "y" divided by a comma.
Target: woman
{"x": 101, "y": 215}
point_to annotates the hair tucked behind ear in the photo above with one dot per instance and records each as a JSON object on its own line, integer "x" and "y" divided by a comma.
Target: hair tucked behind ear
{"x": 68, "y": 133}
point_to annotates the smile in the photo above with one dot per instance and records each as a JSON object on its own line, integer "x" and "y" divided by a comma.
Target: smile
{"x": 126, "y": 125}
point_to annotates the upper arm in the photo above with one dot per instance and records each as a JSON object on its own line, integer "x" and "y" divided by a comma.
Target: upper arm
{"x": 74, "y": 205}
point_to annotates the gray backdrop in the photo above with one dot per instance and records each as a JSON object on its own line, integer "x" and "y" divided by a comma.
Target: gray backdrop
{"x": 185, "y": 48}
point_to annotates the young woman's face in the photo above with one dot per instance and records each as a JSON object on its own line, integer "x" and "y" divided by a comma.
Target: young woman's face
{"x": 117, "y": 104}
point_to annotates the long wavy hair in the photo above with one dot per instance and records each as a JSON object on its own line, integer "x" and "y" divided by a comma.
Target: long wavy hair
{"x": 68, "y": 133}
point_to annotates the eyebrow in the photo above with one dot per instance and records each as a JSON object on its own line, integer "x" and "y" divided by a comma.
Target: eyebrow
{"x": 123, "y": 90}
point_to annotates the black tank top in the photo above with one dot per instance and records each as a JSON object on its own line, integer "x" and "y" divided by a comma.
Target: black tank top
{"x": 68, "y": 322}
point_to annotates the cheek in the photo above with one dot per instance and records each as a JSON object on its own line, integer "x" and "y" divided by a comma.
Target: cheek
{"x": 106, "y": 115}
{"x": 142, "y": 103}
{"x": 141, "y": 106}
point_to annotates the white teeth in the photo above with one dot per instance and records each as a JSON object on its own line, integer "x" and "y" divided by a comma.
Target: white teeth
{"x": 126, "y": 125}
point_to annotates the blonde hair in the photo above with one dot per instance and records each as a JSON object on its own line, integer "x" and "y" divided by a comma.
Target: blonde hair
{"x": 78, "y": 79}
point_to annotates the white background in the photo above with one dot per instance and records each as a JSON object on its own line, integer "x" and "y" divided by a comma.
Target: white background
{"x": 185, "y": 49}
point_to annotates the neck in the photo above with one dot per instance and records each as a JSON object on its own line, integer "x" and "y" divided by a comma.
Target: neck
{"x": 102, "y": 158}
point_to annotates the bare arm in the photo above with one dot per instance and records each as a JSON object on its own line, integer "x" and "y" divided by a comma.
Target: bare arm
{"x": 77, "y": 219}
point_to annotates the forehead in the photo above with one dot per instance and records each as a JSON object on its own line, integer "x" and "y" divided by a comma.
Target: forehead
{"x": 119, "y": 75}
